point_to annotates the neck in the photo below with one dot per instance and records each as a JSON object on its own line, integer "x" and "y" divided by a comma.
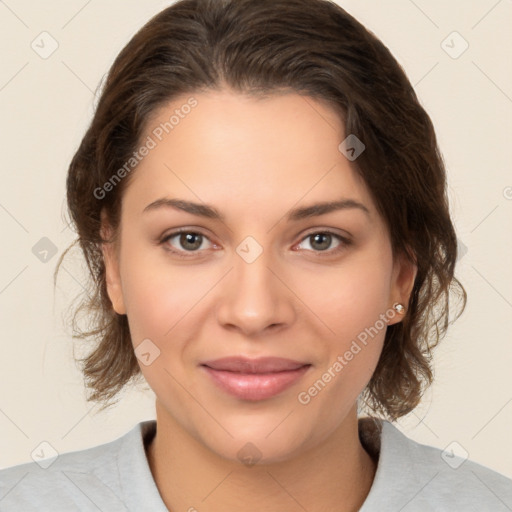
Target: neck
{"x": 335, "y": 475}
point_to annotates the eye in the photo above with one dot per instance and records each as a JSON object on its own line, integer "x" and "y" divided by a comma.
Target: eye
{"x": 321, "y": 241}
{"x": 182, "y": 241}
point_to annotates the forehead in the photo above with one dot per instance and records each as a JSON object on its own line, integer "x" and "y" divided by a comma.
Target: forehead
{"x": 241, "y": 153}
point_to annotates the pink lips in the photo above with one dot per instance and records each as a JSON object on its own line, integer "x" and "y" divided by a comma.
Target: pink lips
{"x": 255, "y": 379}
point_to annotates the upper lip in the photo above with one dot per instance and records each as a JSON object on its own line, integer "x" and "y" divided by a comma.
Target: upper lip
{"x": 259, "y": 365}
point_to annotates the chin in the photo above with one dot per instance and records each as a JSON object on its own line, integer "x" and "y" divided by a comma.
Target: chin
{"x": 256, "y": 451}
{"x": 261, "y": 439}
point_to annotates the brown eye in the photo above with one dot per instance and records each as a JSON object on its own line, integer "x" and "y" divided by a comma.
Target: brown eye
{"x": 322, "y": 242}
{"x": 183, "y": 242}
{"x": 190, "y": 241}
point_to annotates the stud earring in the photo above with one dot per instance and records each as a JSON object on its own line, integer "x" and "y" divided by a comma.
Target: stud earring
{"x": 399, "y": 308}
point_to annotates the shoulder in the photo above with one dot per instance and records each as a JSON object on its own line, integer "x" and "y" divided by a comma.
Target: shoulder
{"x": 87, "y": 479}
{"x": 417, "y": 477}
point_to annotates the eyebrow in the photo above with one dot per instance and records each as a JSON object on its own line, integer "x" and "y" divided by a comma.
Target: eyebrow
{"x": 208, "y": 211}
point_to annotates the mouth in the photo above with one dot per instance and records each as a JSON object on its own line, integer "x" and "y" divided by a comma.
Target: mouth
{"x": 254, "y": 379}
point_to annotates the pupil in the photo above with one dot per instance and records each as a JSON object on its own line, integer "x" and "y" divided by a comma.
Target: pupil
{"x": 188, "y": 238}
{"x": 326, "y": 236}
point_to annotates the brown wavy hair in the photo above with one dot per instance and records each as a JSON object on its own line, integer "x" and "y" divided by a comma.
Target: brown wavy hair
{"x": 310, "y": 47}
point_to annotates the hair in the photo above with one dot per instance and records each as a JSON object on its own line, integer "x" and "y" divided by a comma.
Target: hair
{"x": 309, "y": 47}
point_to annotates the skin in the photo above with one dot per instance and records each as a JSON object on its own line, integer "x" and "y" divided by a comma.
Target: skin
{"x": 254, "y": 160}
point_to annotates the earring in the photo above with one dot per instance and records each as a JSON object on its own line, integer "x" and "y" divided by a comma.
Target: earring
{"x": 399, "y": 308}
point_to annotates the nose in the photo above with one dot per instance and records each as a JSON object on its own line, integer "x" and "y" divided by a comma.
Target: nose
{"x": 255, "y": 297}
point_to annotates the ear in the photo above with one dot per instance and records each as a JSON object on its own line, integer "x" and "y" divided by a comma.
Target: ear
{"x": 112, "y": 275}
{"x": 404, "y": 275}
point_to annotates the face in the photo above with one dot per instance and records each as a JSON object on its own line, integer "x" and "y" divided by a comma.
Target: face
{"x": 253, "y": 271}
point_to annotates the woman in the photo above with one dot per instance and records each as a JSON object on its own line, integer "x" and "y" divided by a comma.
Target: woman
{"x": 262, "y": 207}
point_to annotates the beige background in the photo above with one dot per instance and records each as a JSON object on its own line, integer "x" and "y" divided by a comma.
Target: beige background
{"x": 46, "y": 105}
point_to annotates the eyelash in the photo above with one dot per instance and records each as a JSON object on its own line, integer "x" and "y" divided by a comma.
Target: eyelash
{"x": 344, "y": 243}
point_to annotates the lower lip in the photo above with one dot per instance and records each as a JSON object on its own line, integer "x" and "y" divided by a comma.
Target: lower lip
{"x": 255, "y": 386}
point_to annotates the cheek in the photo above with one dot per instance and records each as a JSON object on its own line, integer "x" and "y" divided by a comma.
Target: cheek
{"x": 159, "y": 296}
{"x": 352, "y": 302}
{"x": 152, "y": 306}
{"x": 157, "y": 293}
{"x": 162, "y": 305}
{"x": 351, "y": 297}
{"x": 354, "y": 310}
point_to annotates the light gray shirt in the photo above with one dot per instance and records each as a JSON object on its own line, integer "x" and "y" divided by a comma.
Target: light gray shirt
{"x": 115, "y": 476}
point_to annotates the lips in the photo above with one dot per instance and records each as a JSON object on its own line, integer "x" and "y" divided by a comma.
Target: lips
{"x": 260, "y": 365}
{"x": 254, "y": 379}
